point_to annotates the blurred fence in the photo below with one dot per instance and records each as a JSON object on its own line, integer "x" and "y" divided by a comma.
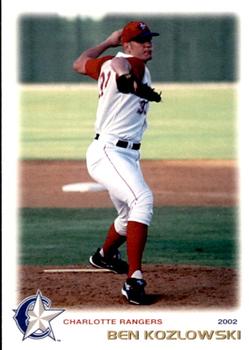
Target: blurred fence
{"x": 189, "y": 49}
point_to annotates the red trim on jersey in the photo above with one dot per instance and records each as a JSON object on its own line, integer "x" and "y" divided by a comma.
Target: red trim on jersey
{"x": 93, "y": 66}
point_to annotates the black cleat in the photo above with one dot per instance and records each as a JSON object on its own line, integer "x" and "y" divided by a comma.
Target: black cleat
{"x": 133, "y": 290}
{"x": 114, "y": 264}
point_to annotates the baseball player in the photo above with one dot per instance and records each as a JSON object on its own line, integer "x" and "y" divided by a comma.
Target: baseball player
{"x": 113, "y": 156}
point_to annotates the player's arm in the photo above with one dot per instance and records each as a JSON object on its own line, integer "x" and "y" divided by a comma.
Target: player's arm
{"x": 113, "y": 40}
{"x": 121, "y": 66}
{"x": 128, "y": 74}
{"x": 129, "y": 78}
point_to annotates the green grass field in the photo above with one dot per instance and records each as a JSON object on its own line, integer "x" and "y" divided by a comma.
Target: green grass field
{"x": 185, "y": 235}
{"x": 190, "y": 123}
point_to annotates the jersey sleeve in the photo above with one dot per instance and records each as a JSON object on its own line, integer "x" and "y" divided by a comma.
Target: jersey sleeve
{"x": 137, "y": 67}
{"x": 93, "y": 66}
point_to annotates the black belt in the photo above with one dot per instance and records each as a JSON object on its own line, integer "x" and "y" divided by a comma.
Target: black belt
{"x": 123, "y": 144}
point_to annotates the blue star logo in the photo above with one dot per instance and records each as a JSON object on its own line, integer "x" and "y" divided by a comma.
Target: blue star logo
{"x": 34, "y": 315}
{"x": 142, "y": 25}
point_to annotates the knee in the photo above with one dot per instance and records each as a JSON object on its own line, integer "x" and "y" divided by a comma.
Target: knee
{"x": 120, "y": 225}
{"x": 145, "y": 199}
{"x": 142, "y": 209}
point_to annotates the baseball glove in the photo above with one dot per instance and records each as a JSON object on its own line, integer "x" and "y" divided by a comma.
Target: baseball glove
{"x": 127, "y": 83}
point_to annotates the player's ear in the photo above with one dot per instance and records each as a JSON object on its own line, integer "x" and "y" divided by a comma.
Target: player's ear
{"x": 127, "y": 47}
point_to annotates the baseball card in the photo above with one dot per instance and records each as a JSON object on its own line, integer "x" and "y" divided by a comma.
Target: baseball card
{"x": 124, "y": 175}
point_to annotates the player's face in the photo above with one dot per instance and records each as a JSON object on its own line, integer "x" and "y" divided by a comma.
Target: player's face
{"x": 142, "y": 50}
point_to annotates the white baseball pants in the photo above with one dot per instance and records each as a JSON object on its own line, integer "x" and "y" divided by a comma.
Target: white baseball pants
{"x": 118, "y": 169}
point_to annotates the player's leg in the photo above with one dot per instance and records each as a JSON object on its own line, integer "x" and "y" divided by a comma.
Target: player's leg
{"x": 116, "y": 235}
{"x": 140, "y": 216}
{"x": 137, "y": 231}
{"x": 136, "y": 240}
{"x": 108, "y": 256}
{"x": 133, "y": 190}
{"x": 112, "y": 242}
{"x": 119, "y": 171}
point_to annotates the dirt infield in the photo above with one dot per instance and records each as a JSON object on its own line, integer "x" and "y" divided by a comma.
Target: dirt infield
{"x": 168, "y": 286}
{"x": 176, "y": 183}
{"x": 189, "y": 183}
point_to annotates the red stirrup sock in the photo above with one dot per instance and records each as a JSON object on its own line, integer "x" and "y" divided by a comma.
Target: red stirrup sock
{"x": 136, "y": 240}
{"x": 112, "y": 242}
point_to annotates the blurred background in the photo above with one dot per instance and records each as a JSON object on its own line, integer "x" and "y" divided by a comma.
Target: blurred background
{"x": 190, "y": 48}
{"x": 192, "y": 52}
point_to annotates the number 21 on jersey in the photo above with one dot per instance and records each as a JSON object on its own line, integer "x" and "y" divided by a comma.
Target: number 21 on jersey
{"x": 104, "y": 79}
{"x": 103, "y": 82}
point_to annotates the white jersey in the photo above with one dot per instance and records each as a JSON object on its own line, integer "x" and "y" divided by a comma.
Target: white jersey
{"x": 121, "y": 115}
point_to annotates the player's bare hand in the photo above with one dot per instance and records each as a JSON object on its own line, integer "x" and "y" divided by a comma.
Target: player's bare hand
{"x": 115, "y": 38}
